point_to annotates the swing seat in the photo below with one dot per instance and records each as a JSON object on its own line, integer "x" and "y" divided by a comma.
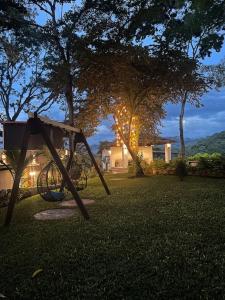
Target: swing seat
{"x": 53, "y": 196}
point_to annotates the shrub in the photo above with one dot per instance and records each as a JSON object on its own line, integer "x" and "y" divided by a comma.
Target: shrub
{"x": 181, "y": 169}
{"x": 158, "y": 166}
{"x": 207, "y": 156}
{"x": 4, "y": 198}
{"x": 208, "y": 165}
{"x": 133, "y": 168}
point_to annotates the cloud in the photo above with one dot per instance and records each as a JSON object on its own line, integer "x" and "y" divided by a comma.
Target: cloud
{"x": 195, "y": 126}
{"x": 103, "y": 129}
{"x": 103, "y": 132}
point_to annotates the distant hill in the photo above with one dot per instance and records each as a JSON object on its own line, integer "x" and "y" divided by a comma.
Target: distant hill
{"x": 188, "y": 142}
{"x": 210, "y": 144}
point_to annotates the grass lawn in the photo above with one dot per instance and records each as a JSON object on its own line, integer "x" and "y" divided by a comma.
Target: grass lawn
{"x": 153, "y": 238}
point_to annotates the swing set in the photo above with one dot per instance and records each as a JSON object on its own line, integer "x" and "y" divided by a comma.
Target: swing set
{"x": 33, "y": 135}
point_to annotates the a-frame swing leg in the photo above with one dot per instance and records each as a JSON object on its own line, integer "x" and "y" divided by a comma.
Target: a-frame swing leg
{"x": 63, "y": 171}
{"x": 18, "y": 175}
{"x": 95, "y": 163}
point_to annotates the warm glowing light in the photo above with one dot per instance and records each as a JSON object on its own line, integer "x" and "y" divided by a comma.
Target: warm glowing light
{"x": 4, "y": 158}
{"x": 34, "y": 162}
{"x": 32, "y": 173}
{"x": 125, "y": 149}
{"x": 168, "y": 145}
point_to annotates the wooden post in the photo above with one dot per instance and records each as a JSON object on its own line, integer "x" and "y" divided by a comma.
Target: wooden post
{"x": 18, "y": 175}
{"x": 95, "y": 163}
{"x": 63, "y": 171}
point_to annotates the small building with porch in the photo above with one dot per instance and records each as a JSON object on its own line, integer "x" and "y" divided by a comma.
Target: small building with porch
{"x": 117, "y": 158}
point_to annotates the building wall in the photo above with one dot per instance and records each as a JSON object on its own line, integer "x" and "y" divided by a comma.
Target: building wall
{"x": 116, "y": 157}
{"x": 6, "y": 180}
{"x": 147, "y": 153}
{"x": 119, "y": 156}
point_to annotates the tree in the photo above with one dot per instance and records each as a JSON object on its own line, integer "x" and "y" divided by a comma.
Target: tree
{"x": 193, "y": 27}
{"x": 21, "y": 76}
{"x": 198, "y": 31}
{"x": 216, "y": 74}
{"x": 192, "y": 85}
{"x": 13, "y": 14}
{"x": 128, "y": 84}
{"x": 104, "y": 145}
{"x": 62, "y": 38}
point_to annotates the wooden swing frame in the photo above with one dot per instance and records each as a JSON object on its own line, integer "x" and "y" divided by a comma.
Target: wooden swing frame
{"x": 35, "y": 125}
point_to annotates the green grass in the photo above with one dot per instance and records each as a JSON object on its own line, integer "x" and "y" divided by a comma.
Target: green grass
{"x": 153, "y": 238}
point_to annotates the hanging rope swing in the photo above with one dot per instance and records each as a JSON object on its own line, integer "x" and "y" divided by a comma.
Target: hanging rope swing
{"x": 50, "y": 184}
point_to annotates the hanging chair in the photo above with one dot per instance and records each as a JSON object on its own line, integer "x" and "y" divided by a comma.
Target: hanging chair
{"x": 78, "y": 175}
{"x": 48, "y": 183}
{"x": 49, "y": 180}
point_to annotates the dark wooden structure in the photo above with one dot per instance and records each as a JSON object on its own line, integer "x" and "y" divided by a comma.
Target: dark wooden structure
{"x": 45, "y": 129}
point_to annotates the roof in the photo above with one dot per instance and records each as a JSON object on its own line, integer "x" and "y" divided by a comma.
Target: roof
{"x": 63, "y": 126}
{"x": 157, "y": 140}
{"x": 47, "y": 121}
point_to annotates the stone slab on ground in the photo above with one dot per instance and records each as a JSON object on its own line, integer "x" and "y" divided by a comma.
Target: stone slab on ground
{"x": 54, "y": 214}
{"x": 71, "y": 203}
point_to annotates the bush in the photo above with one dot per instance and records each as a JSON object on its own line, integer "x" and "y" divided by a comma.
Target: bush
{"x": 132, "y": 166}
{"x": 158, "y": 167}
{"x": 208, "y": 165}
{"x": 5, "y": 195}
{"x": 181, "y": 169}
{"x": 206, "y": 156}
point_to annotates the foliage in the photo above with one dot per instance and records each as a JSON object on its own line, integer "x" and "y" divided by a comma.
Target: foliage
{"x": 216, "y": 74}
{"x": 208, "y": 156}
{"x": 209, "y": 165}
{"x": 198, "y": 31}
{"x": 181, "y": 169}
{"x": 5, "y": 195}
{"x": 62, "y": 41}
{"x": 21, "y": 76}
{"x": 134, "y": 166}
{"x": 104, "y": 145}
{"x": 128, "y": 84}
{"x": 179, "y": 227}
{"x": 159, "y": 164}
{"x": 13, "y": 15}
{"x": 211, "y": 144}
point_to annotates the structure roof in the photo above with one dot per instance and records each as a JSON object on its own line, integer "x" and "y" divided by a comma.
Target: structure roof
{"x": 156, "y": 140}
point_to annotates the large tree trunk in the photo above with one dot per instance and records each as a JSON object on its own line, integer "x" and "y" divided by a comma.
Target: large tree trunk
{"x": 131, "y": 141}
{"x": 181, "y": 126}
{"x": 69, "y": 100}
{"x": 138, "y": 168}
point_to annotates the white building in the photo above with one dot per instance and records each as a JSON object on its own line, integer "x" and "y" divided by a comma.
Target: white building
{"x": 117, "y": 158}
